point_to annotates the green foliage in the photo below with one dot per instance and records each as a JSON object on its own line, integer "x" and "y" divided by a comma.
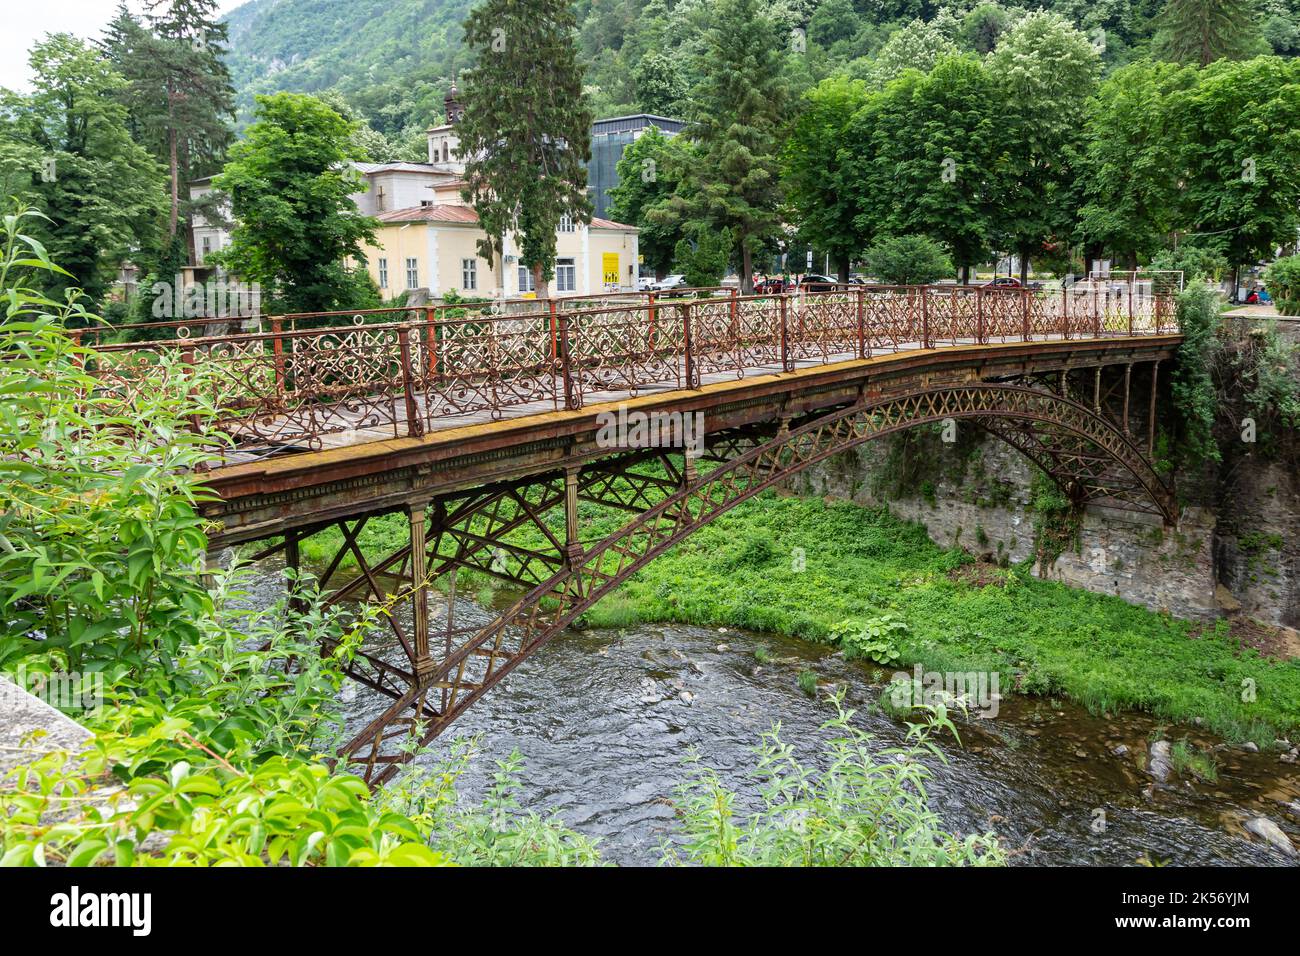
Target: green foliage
{"x": 290, "y": 185}
{"x": 102, "y": 544}
{"x": 66, "y": 148}
{"x": 1282, "y": 280}
{"x": 1202, "y": 31}
{"x": 704, "y": 262}
{"x": 1048, "y": 69}
{"x": 1187, "y": 757}
{"x": 526, "y": 132}
{"x": 816, "y": 173}
{"x": 648, "y": 175}
{"x": 1193, "y": 390}
{"x": 907, "y": 260}
{"x": 917, "y": 46}
{"x": 853, "y": 813}
{"x": 1056, "y": 519}
{"x": 875, "y": 639}
{"x": 738, "y": 116}
{"x": 178, "y": 94}
{"x": 1130, "y": 189}
{"x": 1239, "y": 156}
{"x": 1196, "y": 263}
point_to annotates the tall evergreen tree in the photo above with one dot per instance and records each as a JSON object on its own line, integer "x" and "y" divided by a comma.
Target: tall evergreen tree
{"x": 526, "y": 132}
{"x": 179, "y": 94}
{"x": 1202, "y": 31}
{"x": 738, "y": 117}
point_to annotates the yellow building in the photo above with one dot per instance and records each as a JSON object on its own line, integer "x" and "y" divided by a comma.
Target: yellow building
{"x": 434, "y": 247}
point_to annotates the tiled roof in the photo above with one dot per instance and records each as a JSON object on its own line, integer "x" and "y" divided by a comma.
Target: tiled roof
{"x": 448, "y": 212}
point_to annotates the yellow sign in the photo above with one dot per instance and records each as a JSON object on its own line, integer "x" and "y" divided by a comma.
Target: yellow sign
{"x": 609, "y": 266}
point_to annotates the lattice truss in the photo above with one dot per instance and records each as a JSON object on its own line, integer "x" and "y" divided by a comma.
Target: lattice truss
{"x": 531, "y": 534}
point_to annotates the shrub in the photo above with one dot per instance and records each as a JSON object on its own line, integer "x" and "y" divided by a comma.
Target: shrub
{"x": 868, "y": 808}
{"x": 1282, "y": 280}
{"x": 907, "y": 260}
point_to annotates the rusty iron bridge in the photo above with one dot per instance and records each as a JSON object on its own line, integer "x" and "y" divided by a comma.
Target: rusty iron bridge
{"x": 482, "y": 426}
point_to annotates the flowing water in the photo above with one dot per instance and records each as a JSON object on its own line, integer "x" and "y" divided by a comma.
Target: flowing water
{"x": 605, "y": 718}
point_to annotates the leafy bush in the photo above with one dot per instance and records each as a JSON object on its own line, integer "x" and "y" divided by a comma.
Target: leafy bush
{"x": 1282, "y": 280}
{"x": 868, "y": 808}
{"x": 875, "y": 639}
{"x": 1194, "y": 393}
{"x": 907, "y": 260}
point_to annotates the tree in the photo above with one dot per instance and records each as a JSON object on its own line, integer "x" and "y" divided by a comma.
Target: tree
{"x": 66, "y": 147}
{"x": 648, "y": 174}
{"x": 815, "y": 169}
{"x": 660, "y": 87}
{"x": 703, "y": 262}
{"x": 1202, "y": 31}
{"x": 907, "y": 260}
{"x": 936, "y": 150}
{"x": 1047, "y": 70}
{"x": 916, "y": 46}
{"x": 738, "y": 114}
{"x": 526, "y": 132}
{"x": 179, "y": 94}
{"x": 1130, "y": 184}
{"x": 290, "y": 182}
{"x": 1239, "y": 156}
{"x": 983, "y": 27}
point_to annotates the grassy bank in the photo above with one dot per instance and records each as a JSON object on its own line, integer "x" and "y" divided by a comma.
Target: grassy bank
{"x": 804, "y": 568}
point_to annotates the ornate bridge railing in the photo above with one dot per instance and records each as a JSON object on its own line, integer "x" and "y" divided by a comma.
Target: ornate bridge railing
{"x": 288, "y": 387}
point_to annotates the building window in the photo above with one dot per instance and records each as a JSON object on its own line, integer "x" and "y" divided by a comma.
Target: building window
{"x": 207, "y": 246}
{"x": 446, "y": 153}
{"x": 566, "y": 276}
{"x": 526, "y": 280}
{"x": 566, "y": 223}
{"x": 468, "y": 274}
{"x": 412, "y": 274}
{"x": 426, "y": 202}
{"x": 383, "y": 273}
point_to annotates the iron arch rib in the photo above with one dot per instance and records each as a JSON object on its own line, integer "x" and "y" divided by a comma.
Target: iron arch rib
{"x": 1081, "y": 450}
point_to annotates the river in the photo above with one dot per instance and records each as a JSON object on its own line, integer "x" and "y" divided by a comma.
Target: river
{"x": 605, "y": 718}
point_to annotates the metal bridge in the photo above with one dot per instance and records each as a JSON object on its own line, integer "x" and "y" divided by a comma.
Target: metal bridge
{"x": 487, "y": 426}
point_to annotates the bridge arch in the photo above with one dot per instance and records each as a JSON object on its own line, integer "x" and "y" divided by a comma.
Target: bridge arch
{"x": 1086, "y": 454}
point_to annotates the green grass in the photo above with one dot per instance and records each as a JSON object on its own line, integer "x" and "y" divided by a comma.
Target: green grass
{"x": 1043, "y": 637}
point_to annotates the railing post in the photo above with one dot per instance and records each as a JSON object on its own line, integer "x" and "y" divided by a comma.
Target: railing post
{"x": 925, "y": 317}
{"x": 784, "y": 300}
{"x": 431, "y": 343}
{"x": 1130, "y": 311}
{"x": 572, "y": 397}
{"x": 277, "y": 346}
{"x": 1024, "y": 313}
{"x": 654, "y": 315}
{"x": 555, "y": 335}
{"x": 979, "y": 316}
{"x": 862, "y": 323}
{"x": 688, "y": 339}
{"x": 414, "y": 426}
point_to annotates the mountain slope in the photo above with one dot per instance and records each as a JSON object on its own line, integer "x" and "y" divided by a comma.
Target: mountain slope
{"x": 391, "y": 59}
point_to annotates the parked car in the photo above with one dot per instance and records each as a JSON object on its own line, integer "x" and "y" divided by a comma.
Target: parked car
{"x": 1003, "y": 282}
{"x": 772, "y": 285}
{"x": 646, "y": 283}
{"x": 668, "y": 283}
{"x": 819, "y": 283}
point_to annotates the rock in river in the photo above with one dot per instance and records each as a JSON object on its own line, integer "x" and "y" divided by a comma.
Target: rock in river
{"x": 1271, "y": 833}
{"x": 1159, "y": 764}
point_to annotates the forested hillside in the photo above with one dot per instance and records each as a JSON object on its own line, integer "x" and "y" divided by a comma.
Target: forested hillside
{"x": 392, "y": 60}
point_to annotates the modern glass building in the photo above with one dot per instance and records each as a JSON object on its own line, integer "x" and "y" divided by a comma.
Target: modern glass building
{"x": 609, "y": 137}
